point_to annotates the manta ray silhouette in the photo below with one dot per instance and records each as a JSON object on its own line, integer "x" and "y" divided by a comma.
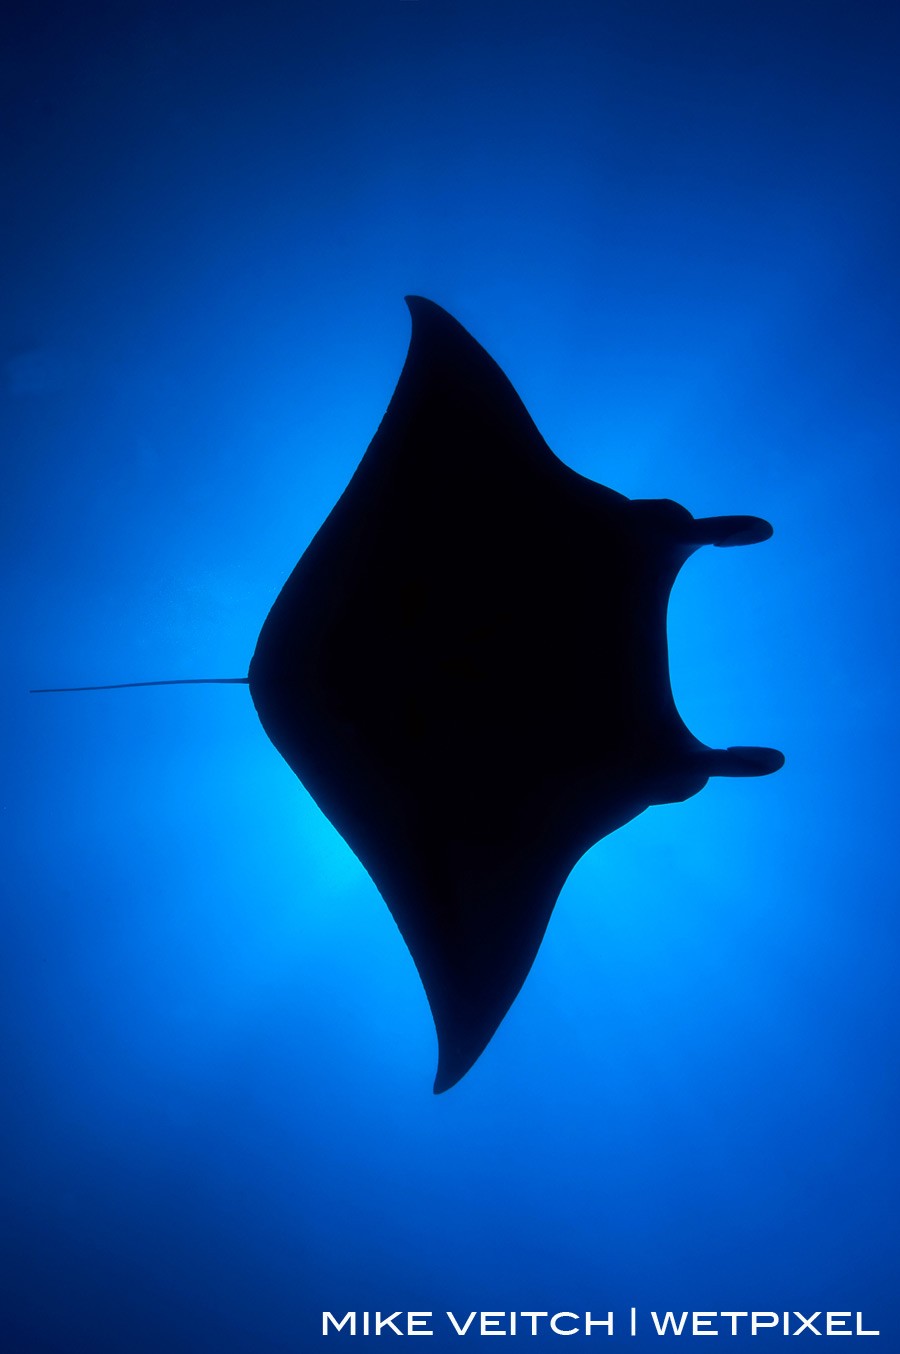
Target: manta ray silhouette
{"x": 468, "y": 671}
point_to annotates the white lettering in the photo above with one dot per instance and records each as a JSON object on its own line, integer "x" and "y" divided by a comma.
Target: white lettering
{"x": 859, "y": 1329}
{"x": 338, "y": 1325}
{"x": 734, "y": 1319}
{"x": 382, "y": 1321}
{"x": 669, "y": 1320}
{"x": 492, "y": 1319}
{"x": 807, "y": 1323}
{"x": 573, "y": 1330}
{"x": 758, "y": 1321}
{"x": 591, "y": 1321}
{"x": 534, "y": 1319}
{"x": 703, "y": 1319}
{"x": 461, "y": 1330}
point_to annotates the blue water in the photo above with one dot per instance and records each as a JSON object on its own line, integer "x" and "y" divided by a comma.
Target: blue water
{"x": 675, "y": 226}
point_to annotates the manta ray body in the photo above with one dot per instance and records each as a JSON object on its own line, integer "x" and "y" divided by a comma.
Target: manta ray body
{"x": 468, "y": 671}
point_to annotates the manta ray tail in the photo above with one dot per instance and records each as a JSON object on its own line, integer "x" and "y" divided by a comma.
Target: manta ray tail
{"x": 120, "y": 686}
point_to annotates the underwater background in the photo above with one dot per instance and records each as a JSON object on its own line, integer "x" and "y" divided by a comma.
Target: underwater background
{"x": 675, "y": 227}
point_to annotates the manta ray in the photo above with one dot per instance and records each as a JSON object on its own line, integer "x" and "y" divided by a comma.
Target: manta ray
{"x": 468, "y": 671}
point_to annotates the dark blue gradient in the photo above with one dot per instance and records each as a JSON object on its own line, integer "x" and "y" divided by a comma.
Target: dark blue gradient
{"x": 675, "y": 226}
